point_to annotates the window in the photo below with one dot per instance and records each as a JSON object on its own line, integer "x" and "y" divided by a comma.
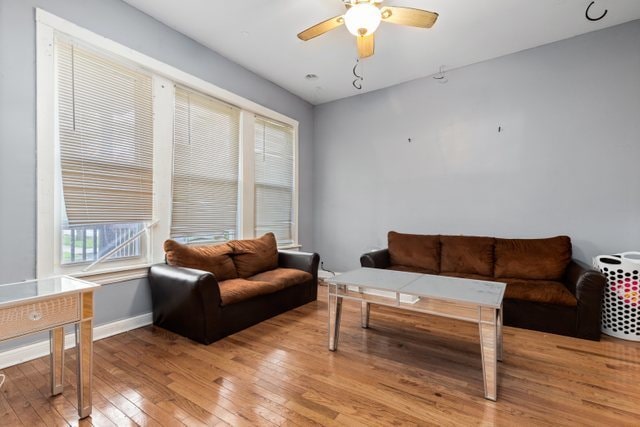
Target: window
{"x": 105, "y": 140}
{"x": 132, "y": 151}
{"x": 206, "y": 150}
{"x": 274, "y": 180}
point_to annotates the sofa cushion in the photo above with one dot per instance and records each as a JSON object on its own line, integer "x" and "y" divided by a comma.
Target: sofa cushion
{"x": 467, "y": 254}
{"x": 542, "y": 291}
{"x": 469, "y": 276}
{"x": 412, "y": 269}
{"x": 254, "y": 256}
{"x": 236, "y": 290}
{"x": 215, "y": 259}
{"x": 284, "y": 277}
{"x": 415, "y": 250}
{"x": 538, "y": 259}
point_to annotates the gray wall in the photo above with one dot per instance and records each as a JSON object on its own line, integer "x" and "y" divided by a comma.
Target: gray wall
{"x": 566, "y": 161}
{"x": 120, "y": 22}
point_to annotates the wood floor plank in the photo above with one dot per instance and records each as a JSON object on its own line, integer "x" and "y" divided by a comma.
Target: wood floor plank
{"x": 7, "y": 413}
{"x": 407, "y": 369}
{"x": 155, "y": 376}
{"x": 49, "y": 414}
{"x": 20, "y": 404}
{"x": 42, "y": 384}
{"x": 65, "y": 403}
{"x": 186, "y": 390}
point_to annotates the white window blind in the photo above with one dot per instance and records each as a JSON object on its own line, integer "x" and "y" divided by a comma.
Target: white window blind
{"x": 205, "y": 168}
{"x": 105, "y": 128}
{"x": 274, "y": 179}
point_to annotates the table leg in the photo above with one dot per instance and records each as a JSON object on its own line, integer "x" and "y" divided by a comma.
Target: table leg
{"x": 500, "y": 314}
{"x": 56, "y": 340}
{"x": 365, "y": 308}
{"x": 84, "y": 348}
{"x": 489, "y": 350}
{"x": 335, "y": 312}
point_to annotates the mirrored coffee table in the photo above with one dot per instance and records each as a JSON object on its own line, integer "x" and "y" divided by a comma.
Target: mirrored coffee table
{"x": 469, "y": 300}
{"x": 49, "y": 305}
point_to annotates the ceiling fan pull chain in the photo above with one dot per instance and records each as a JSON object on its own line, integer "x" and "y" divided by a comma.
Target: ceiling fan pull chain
{"x": 358, "y": 78}
{"x": 441, "y": 77}
{"x": 592, "y": 19}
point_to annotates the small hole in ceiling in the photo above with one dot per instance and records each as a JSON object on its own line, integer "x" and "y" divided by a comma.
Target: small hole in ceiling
{"x": 311, "y": 77}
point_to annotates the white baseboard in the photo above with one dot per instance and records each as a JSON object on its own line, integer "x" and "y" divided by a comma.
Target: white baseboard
{"x": 41, "y": 348}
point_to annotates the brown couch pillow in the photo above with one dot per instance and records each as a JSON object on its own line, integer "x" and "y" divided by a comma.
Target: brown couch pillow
{"x": 255, "y": 255}
{"x": 537, "y": 259}
{"x": 467, "y": 254}
{"x": 415, "y": 250}
{"x": 215, "y": 259}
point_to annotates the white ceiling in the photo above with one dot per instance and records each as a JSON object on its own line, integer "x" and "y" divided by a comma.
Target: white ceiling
{"x": 261, "y": 36}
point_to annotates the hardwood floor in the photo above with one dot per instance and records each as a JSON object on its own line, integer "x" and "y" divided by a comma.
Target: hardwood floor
{"x": 407, "y": 369}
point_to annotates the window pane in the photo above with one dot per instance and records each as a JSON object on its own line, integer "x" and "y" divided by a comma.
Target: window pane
{"x": 205, "y": 168}
{"x": 274, "y": 185}
{"x": 87, "y": 243}
{"x": 105, "y": 145}
{"x": 105, "y": 130}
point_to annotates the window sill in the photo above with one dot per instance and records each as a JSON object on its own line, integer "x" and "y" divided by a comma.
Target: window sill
{"x": 290, "y": 247}
{"x": 121, "y": 274}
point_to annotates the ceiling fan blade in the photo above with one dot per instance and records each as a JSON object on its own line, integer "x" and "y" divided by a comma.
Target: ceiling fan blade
{"x": 366, "y": 46}
{"x": 321, "y": 28}
{"x": 409, "y": 16}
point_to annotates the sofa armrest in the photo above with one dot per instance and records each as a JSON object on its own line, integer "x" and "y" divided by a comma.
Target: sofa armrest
{"x": 376, "y": 259}
{"x": 587, "y": 286}
{"x": 185, "y": 300}
{"x": 305, "y": 261}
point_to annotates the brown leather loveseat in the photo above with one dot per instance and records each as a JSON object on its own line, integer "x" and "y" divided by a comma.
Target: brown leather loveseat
{"x": 208, "y": 292}
{"x": 546, "y": 290}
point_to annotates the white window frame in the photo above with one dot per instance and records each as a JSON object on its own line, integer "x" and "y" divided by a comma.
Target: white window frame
{"x": 164, "y": 78}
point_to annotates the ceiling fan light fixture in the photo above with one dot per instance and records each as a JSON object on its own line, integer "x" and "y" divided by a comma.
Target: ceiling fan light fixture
{"x": 362, "y": 19}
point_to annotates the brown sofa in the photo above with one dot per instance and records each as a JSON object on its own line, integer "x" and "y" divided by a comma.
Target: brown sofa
{"x": 546, "y": 290}
{"x": 208, "y": 292}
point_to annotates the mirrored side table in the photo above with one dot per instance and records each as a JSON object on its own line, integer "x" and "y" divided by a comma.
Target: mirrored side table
{"x": 50, "y": 305}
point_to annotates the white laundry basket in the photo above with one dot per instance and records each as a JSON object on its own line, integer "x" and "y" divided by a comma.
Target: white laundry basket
{"x": 621, "y": 309}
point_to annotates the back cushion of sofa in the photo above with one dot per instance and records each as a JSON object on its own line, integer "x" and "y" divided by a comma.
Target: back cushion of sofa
{"x": 415, "y": 250}
{"x": 538, "y": 259}
{"x": 467, "y": 254}
{"x": 255, "y": 255}
{"x": 215, "y": 259}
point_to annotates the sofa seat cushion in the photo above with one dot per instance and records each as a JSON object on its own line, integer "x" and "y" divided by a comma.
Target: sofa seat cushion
{"x": 536, "y": 259}
{"x": 283, "y": 277}
{"x": 467, "y": 254}
{"x": 254, "y": 256}
{"x": 469, "y": 276}
{"x": 215, "y": 259}
{"x": 412, "y": 269}
{"x": 415, "y": 250}
{"x": 541, "y": 291}
{"x": 236, "y": 290}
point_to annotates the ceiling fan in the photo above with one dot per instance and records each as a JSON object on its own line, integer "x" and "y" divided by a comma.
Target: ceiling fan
{"x": 362, "y": 20}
